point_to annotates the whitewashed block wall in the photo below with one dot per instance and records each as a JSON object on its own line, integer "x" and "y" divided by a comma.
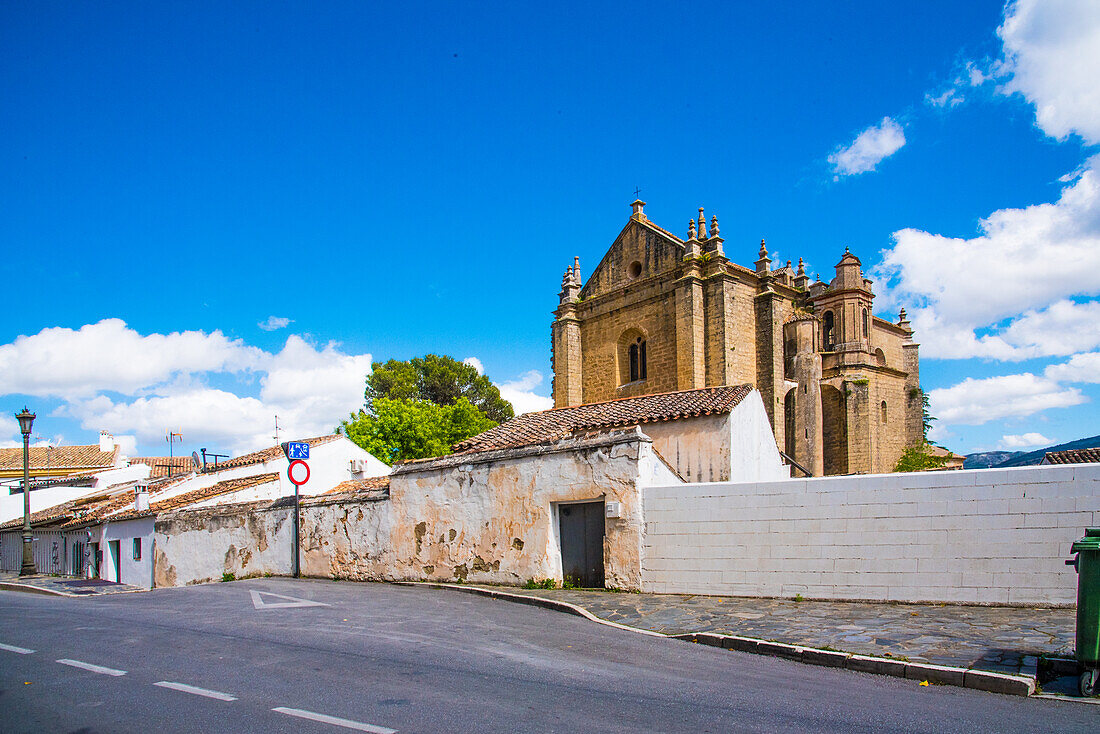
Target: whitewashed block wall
{"x": 977, "y": 536}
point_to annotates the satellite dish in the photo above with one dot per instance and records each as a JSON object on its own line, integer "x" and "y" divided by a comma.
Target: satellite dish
{"x": 196, "y": 460}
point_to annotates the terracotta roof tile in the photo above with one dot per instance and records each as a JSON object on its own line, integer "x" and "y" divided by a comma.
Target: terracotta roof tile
{"x": 370, "y": 484}
{"x": 1073, "y": 456}
{"x": 158, "y": 465}
{"x": 274, "y": 452}
{"x": 189, "y": 498}
{"x": 59, "y": 457}
{"x": 551, "y": 425}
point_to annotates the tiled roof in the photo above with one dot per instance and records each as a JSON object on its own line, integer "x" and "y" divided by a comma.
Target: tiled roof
{"x": 370, "y": 484}
{"x": 259, "y": 457}
{"x": 551, "y": 425}
{"x": 189, "y": 498}
{"x": 158, "y": 465}
{"x": 86, "y": 510}
{"x": 1073, "y": 456}
{"x": 59, "y": 457}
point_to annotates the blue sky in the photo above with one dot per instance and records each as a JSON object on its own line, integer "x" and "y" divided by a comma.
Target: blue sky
{"x": 387, "y": 180}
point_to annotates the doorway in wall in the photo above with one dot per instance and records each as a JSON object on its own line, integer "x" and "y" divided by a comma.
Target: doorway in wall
{"x": 581, "y": 529}
{"x": 93, "y": 561}
{"x": 115, "y": 571}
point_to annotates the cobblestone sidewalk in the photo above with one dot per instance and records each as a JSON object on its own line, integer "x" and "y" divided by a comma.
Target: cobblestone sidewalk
{"x": 999, "y": 639}
{"x": 66, "y": 585}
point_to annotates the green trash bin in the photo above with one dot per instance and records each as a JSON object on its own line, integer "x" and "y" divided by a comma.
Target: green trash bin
{"x": 1087, "y": 564}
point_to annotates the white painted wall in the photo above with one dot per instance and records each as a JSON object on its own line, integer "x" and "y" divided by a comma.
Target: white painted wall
{"x": 329, "y": 464}
{"x": 980, "y": 536}
{"x": 135, "y": 572}
{"x": 754, "y": 456}
{"x": 738, "y": 446}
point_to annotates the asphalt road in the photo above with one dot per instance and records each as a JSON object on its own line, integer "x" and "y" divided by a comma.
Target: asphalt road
{"x": 390, "y": 658}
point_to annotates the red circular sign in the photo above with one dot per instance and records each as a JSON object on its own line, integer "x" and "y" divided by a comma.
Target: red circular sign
{"x": 298, "y": 472}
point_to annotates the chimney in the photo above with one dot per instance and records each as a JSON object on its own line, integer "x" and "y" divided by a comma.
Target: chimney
{"x": 638, "y": 210}
{"x": 106, "y": 442}
{"x": 141, "y": 497}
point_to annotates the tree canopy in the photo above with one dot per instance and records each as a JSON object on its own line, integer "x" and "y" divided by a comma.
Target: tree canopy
{"x": 422, "y": 407}
{"x": 436, "y": 379}
{"x": 400, "y": 430}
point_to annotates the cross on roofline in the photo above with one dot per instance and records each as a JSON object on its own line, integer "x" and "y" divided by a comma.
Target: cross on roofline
{"x": 637, "y": 191}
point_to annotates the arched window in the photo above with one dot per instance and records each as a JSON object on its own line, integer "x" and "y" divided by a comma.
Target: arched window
{"x": 830, "y": 331}
{"x": 630, "y": 351}
{"x": 864, "y": 323}
{"x": 883, "y": 409}
{"x": 637, "y": 360}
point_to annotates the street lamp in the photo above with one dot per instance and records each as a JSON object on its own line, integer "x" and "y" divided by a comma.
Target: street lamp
{"x": 26, "y": 418}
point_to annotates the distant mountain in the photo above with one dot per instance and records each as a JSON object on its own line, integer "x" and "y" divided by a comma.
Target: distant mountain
{"x": 1032, "y": 458}
{"x": 987, "y": 459}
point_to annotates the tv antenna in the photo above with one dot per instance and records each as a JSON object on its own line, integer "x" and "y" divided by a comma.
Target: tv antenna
{"x": 276, "y": 436}
{"x": 171, "y": 438}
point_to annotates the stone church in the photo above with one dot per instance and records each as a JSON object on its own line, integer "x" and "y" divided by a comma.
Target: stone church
{"x": 662, "y": 314}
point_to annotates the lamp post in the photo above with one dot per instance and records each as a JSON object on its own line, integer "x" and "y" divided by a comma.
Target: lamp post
{"x": 26, "y": 418}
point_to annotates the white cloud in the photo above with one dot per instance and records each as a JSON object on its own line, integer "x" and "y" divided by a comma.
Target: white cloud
{"x": 475, "y": 363}
{"x": 10, "y": 437}
{"x": 949, "y": 98}
{"x": 520, "y": 393}
{"x": 215, "y": 417}
{"x": 127, "y": 445}
{"x": 869, "y": 148}
{"x": 1027, "y": 261}
{"x": 1079, "y": 368}
{"x": 1027, "y": 440}
{"x": 1052, "y": 58}
{"x": 162, "y": 378}
{"x": 978, "y": 401}
{"x": 109, "y": 355}
{"x": 274, "y": 323}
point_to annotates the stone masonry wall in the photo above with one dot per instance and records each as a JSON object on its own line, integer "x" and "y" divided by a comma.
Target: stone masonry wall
{"x": 986, "y": 536}
{"x": 197, "y": 546}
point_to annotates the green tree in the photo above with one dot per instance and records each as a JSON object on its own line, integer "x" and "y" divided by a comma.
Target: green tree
{"x": 436, "y": 379}
{"x": 422, "y": 407}
{"x": 399, "y": 430}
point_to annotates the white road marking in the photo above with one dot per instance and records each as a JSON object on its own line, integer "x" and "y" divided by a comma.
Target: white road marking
{"x": 93, "y": 668}
{"x": 324, "y": 719}
{"x": 195, "y": 690}
{"x": 293, "y": 601}
{"x": 13, "y": 648}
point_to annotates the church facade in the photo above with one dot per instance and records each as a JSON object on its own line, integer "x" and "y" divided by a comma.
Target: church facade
{"x": 841, "y": 386}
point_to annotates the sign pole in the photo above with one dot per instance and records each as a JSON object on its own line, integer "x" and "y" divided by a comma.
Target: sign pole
{"x": 298, "y": 473}
{"x": 297, "y": 538}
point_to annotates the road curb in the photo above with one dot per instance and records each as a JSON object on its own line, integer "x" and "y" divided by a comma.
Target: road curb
{"x": 8, "y": 586}
{"x": 981, "y": 680}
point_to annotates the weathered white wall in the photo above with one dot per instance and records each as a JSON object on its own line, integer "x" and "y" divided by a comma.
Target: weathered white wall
{"x": 982, "y": 536}
{"x": 196, "y": 546}
{"x": 698, "y": 448}
{"x": 490, "y": 517}
{"x": 738, "y": 446}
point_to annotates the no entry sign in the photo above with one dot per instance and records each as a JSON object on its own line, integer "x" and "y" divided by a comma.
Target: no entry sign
{"x": 298, "y": 472}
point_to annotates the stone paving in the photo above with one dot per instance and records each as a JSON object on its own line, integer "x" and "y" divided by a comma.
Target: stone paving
{"x": 65, "y": 584}
{"x": 1000, "y": 639}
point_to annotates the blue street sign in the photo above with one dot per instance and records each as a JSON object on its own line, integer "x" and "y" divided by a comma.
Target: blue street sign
{"x": 297, "y": 450}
